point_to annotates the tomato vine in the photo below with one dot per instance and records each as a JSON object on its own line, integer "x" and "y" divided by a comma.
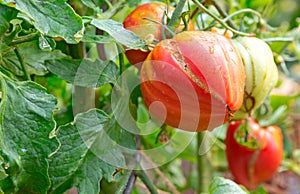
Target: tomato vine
{"x": 140, "y": 96}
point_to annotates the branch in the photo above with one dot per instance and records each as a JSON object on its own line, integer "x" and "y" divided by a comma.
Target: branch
{"x": 204, "y": 166}
{"x": 121, "y": 59}
{"x": 26, "y": 38}
{"x": 127, "y": 183}
{"x": 223, "y": 14}
{"x": 242, "y": 11}
{"x": 202, "y": 7}
{"x": 144, "y": 177}
{"x": 131, "y": 180}
{"x": 161, "y": 175}
{"x": 176, "y": 14}
{"x": 279, "y": 39}
{"x": 130, "y": 184}
{"x": 23, "y": 64}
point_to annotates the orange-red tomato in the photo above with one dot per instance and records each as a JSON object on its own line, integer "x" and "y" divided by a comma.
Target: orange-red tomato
{"x": 146, "y": 21}
{"x": 194, "y": 81}
{"x": 252, "y": 166}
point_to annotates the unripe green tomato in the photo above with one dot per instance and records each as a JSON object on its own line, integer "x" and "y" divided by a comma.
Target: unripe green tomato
{"x": 261, "y": 72}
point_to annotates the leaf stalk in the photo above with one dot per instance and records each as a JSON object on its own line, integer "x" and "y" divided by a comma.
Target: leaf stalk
{"x": 23, "y": 64}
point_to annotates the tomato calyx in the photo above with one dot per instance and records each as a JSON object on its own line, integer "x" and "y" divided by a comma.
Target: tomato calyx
{"x": 250, "y": 134}
{"x": 244, "y": 137}
{"x": 249, "y": 102}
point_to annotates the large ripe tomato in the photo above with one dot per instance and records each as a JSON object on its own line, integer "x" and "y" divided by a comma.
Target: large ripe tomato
{"x": 194, "y": 81}
{"x": 261, "y": 72}
{"x": 256, "y": 160}
{"x": 146, "y": 21}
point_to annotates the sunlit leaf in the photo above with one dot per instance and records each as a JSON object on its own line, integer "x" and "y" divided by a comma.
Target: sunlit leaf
{"x": 26, "y": 124}
{"x": 53, "y": 18}
{"x": 225, "y": 186}
{"x": 34, "y": 59}
{"x": 119, "y": 33}
{"x": 84, "y": 72}
{"x": 95, "y": 156}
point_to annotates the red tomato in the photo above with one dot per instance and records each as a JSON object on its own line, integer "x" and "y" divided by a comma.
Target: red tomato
{"x": 146, "y": 21}
{"x": 194, "y": 81}
{"x": 252, "y": 166}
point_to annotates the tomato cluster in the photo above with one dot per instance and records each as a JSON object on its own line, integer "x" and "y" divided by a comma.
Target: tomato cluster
{"x": 197, "y": 77}
{"x": 198, "y": 80}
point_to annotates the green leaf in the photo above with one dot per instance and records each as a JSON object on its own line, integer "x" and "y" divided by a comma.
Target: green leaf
{"x": 6, "y": 15}
{"x": 46, "y": 44}
{"x": 85, "y": 164}
{"x": 84, "y": 72}
{"x": 3, "y": 174}
{"x": 7, "y": 185}
{"x": 259, "y": 190}
{"x": 119, "y": 33}
{"x": 276, "y": 101}
{"x": 53, "y": 18}
{"x": 93, "y": 5}
{"x": 225, "y": 186}
{"x": 33, "y": 56}
{"x": 257, "y": 4}
{"x": 26, "y": 125}
{"x": 87, "y": 178}
{"x": 97, "y": 39}
{"x": 277, "y": 115}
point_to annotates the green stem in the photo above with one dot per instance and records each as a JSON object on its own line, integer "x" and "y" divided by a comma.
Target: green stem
{"x": 204, "y": 166}
{"x": 168, "y": 29}
{"x": 124, "y": 182}
{"x": 223, "y": 14}
{"x": 113, "y": 9}
{"x": 4, "y": 99}
{"x": 108, "y": 3}
{"x": 202, "y": 7}
{"x": 279, "y": 39}
{"x": 195, "y": 12}
{"x": 173, "y": 23}
{"x": 83, "y": 97}
{"x": 23, "y": 64}
{"x": 121, "y": 59}
{"x": 26, "y": 38}
{"x": 130, "y": 184}
{"x": 143, "y": 176}
{"x": 242, "y": 11}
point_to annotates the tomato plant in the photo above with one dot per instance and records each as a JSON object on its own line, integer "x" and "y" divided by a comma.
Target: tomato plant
{"x": 254, "y": 152}
{"x": 77, "y": 117}
{"x": 210, "y": 64}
